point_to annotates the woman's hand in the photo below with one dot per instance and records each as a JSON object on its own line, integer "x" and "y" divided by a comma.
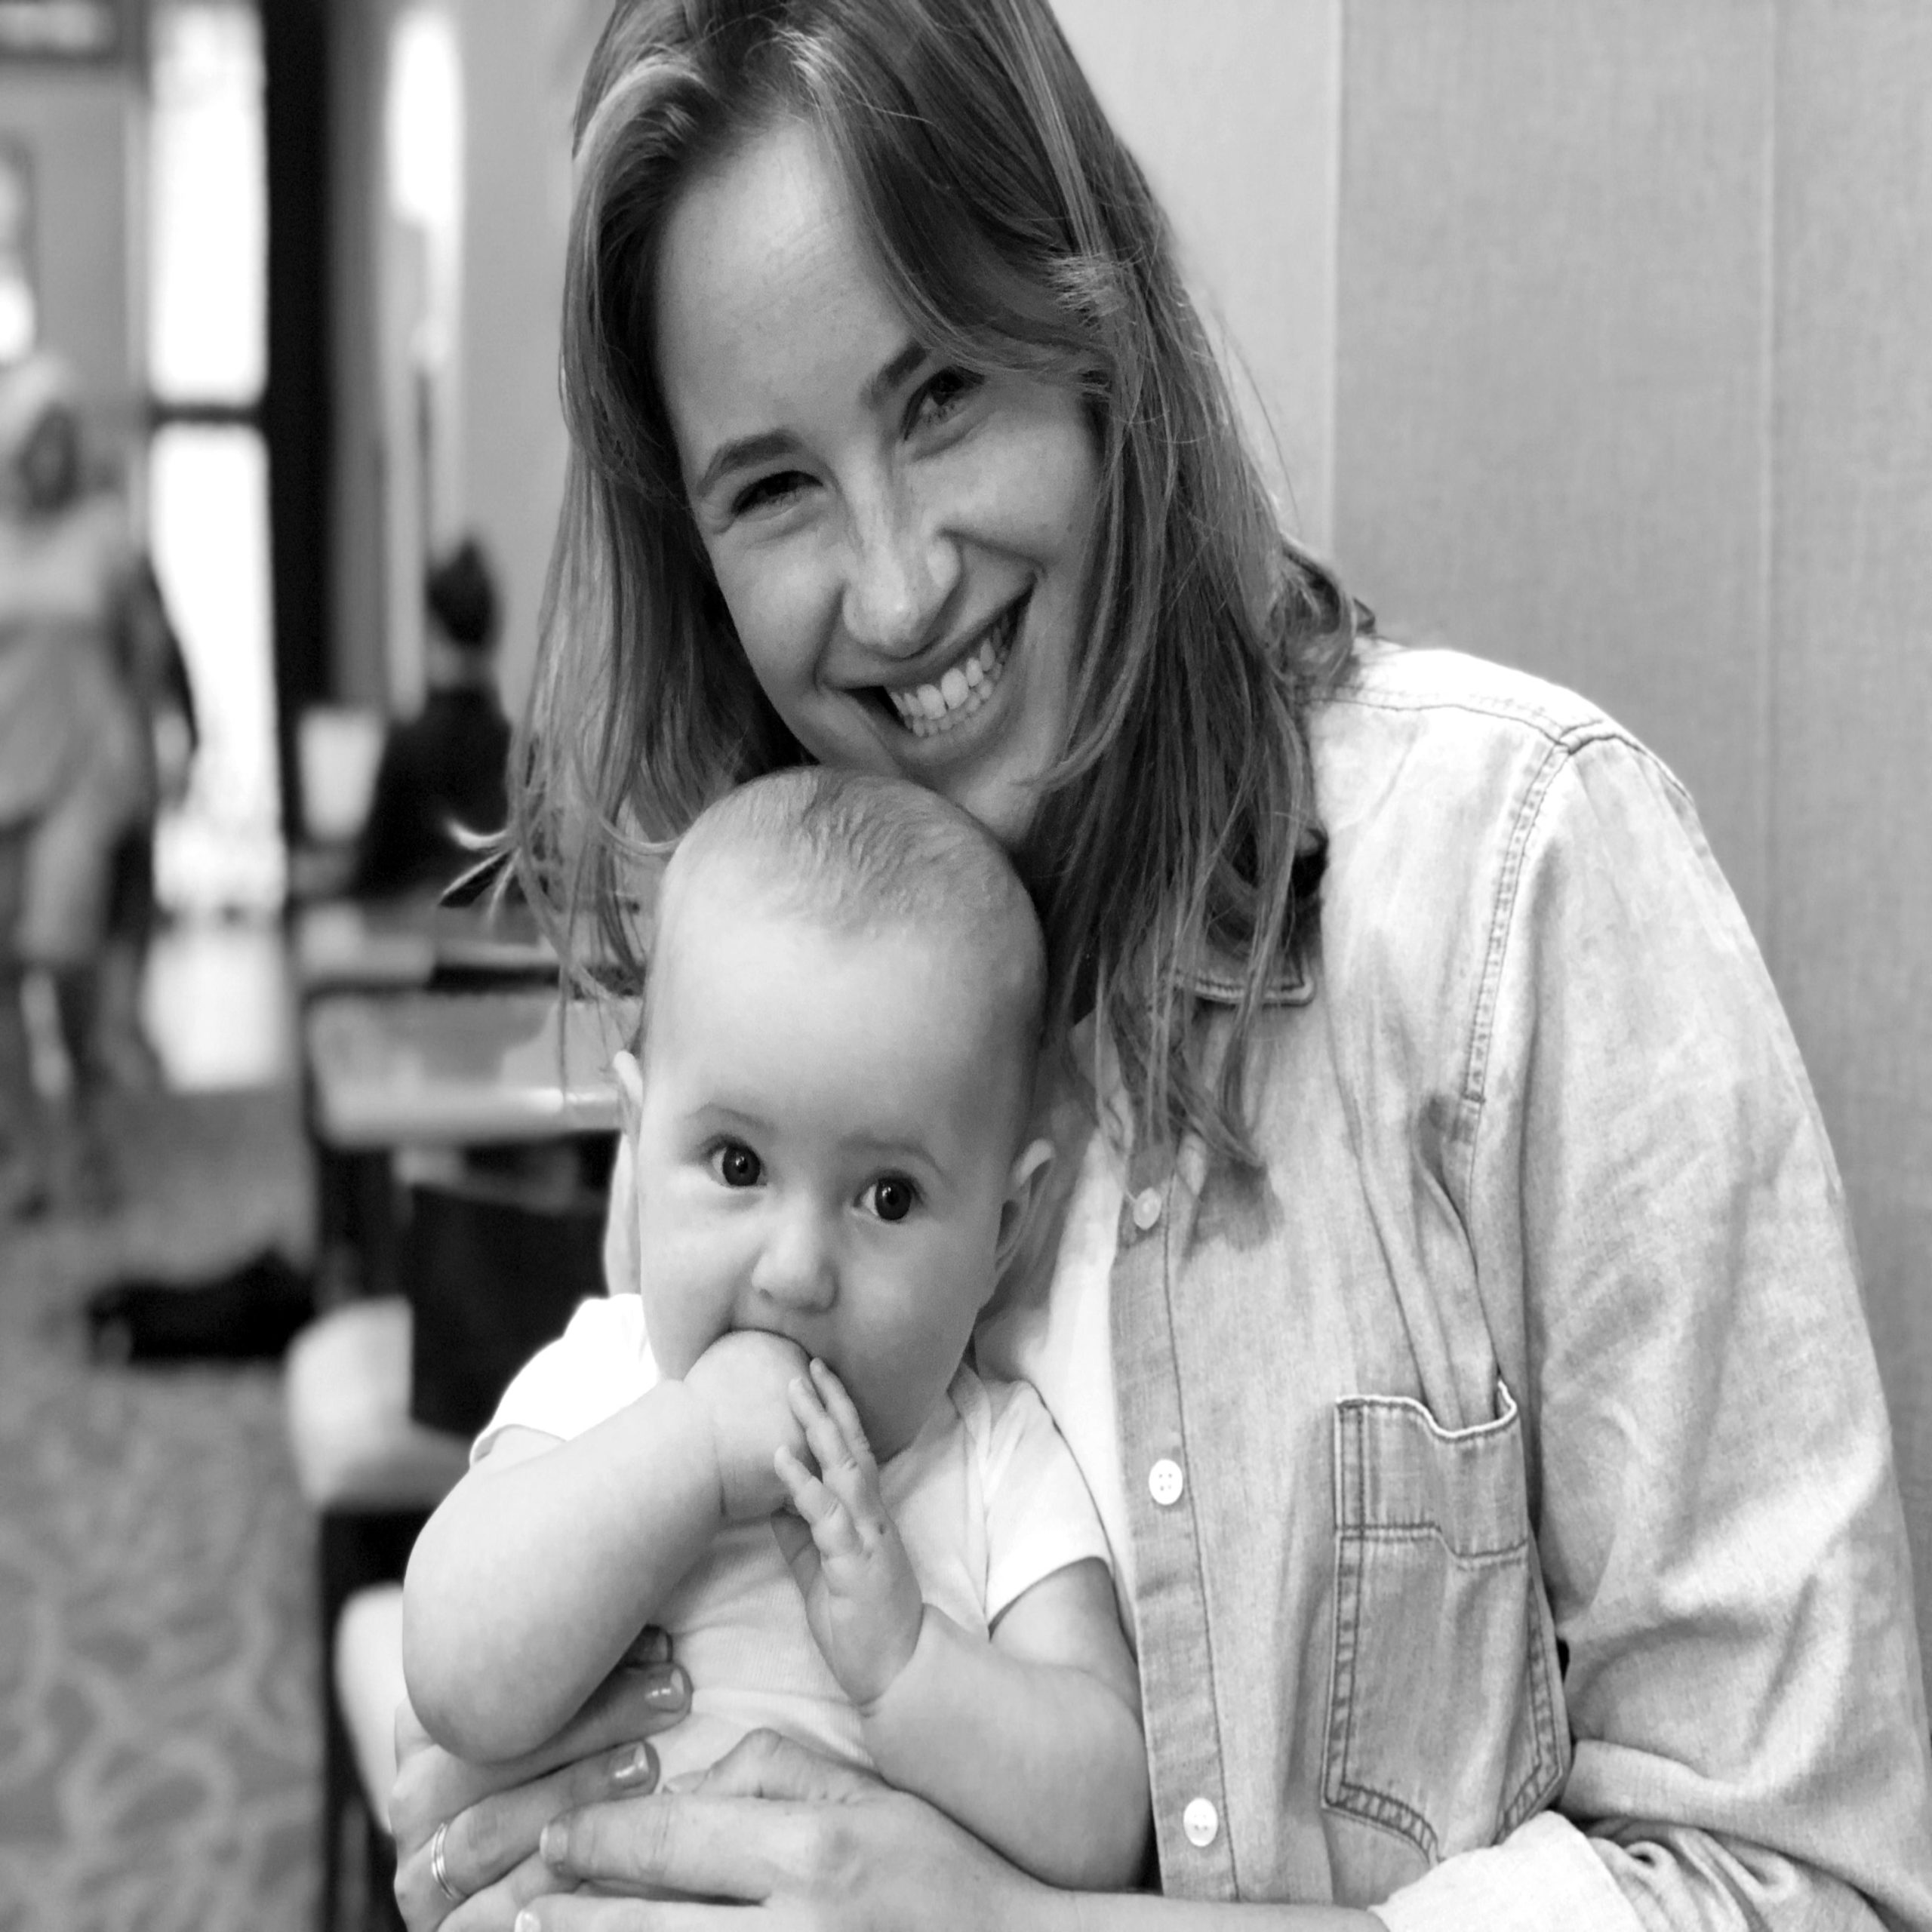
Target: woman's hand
{"x": 807, "y": 1843}
{"x": 491, "y": 1816}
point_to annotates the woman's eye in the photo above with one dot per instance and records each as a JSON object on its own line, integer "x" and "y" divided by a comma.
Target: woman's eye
{"x": 891, "y": 1197}
{"x": 768, "y": 492}
{"x": 944, "y": 392}
{"x": 736, "y": 1165}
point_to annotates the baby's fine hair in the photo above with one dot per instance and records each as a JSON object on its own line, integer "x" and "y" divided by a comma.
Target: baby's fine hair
{"x": 855, "y": 854}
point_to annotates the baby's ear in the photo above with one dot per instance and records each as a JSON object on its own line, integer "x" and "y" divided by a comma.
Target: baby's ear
{"x": 1022, "y": 1185}
{"x": 630, "y": 1090}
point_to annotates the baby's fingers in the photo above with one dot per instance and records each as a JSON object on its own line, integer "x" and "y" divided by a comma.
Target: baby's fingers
{"x": 832, "y": 1393}
{"x": 833, "y": 1529}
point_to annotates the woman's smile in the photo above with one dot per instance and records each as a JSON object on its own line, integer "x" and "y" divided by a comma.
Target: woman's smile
{"x": 936, "y": 710}
{"x": 902, "y": 543}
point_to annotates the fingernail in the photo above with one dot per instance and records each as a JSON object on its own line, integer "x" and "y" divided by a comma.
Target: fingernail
{"x": 550, "y": 1847}
{"x": 670, "y": 1692}
{"x": 639, "y": 1762}
{"x": 526, "y": 1921}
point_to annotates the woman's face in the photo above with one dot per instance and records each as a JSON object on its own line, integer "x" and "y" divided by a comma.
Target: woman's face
{"x": 902, "y": 546}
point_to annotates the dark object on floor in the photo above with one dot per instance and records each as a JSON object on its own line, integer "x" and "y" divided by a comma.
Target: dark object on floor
{"x": 249, "y": 1313}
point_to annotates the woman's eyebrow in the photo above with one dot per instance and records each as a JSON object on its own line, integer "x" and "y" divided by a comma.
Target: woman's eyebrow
{"x": 743, "y": 452}
{"x": 894, "y": 372}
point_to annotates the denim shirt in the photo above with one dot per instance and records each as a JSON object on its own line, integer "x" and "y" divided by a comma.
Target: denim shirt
{"x": 1516, "y": 1538}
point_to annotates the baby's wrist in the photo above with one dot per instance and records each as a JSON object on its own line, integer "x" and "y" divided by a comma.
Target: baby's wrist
{"x": 896, "y": 1680}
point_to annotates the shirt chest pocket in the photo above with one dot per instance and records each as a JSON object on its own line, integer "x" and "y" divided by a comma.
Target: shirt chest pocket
{"x": 1446, "y": 1725}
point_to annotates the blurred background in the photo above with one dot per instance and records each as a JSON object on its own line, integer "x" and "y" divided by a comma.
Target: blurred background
{"x": 1592, "y": 335}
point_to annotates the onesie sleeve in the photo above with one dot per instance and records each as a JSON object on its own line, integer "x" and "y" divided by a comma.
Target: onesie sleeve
{"x": 1039, "y": 1516}
{"x": 600, "y": 1363}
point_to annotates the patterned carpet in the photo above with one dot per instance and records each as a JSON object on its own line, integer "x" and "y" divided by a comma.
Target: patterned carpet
{"x": 158, "y": 1739}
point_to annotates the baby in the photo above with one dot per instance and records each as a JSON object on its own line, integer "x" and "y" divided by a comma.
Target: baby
{"x": 776, "y": 1450}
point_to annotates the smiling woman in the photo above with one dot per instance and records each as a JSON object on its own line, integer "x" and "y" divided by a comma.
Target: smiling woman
{"x": 877, "y": 367}
{"x": 902, "y": 545}
{"x": 1446, "y": 1298}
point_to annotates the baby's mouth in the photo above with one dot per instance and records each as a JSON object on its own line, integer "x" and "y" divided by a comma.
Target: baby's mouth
{"x": 930, "y": 711}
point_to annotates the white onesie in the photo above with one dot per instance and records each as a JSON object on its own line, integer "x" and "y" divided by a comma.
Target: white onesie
{"x": 988, "y": 1500}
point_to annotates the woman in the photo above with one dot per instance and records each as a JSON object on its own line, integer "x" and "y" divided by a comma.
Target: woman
{"x": 77, "y": 613}
{"x": 1454, "y": 1319}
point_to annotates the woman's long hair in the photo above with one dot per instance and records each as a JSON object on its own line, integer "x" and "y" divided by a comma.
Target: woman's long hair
{"x": 1179, "y": 830}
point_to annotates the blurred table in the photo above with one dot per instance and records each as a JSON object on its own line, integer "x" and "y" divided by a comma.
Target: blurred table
{"x": 464, "y": 1068}
{"x": 345, "y": 944}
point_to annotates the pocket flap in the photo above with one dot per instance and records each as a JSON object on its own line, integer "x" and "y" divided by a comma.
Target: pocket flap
{"x": 1397, "y": 1471}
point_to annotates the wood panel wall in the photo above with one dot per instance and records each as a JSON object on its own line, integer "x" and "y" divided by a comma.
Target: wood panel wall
{"x": 1634, "y": 388}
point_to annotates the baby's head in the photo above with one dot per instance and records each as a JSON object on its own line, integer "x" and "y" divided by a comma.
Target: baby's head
{"x": 827, "y": 1111}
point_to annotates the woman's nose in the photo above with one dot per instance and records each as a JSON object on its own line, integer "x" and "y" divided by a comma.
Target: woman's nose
{"x": 794, "y": 1264}
{"x": 900, "y": 577}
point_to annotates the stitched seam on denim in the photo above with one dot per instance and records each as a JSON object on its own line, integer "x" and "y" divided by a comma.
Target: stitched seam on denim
{"x": 1546, "y": 1763}
{"x": 1340, "y": 1791}
{"x": 1341, "y": 1667}
{"x": 1476, "y": 1437}
{"x": 1563, "y": 757}
{"x": 1396, "y": 1534}
{"x": 1389, "y": 1814}
{"x": 1575, "y": 734}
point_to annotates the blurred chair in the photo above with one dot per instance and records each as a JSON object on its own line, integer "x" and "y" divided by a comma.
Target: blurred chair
{"x": 337, "y": 749}
{"x": 382, "y": 1398}
{"x": 372, "y": 1474}
{"x": 367, "y": 1661}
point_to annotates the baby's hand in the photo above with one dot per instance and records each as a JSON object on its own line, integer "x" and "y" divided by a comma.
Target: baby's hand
{"x": 743, "y": 1381}
{"x": 862, "y": 1599}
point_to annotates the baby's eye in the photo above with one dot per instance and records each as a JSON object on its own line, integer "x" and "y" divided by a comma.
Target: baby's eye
{"x": 892, "y": 1197}
{"x": 736, "y": 1165}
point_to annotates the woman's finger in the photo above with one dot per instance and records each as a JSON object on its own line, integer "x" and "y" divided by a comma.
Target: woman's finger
{"x": 586, "y": 1912}
{"x": 643, "y": 1695}
{"x": 691, "y": 1845}
{"x": 750, "y": 1830}
{"x": 497, "y": 1836}
{"x": 764, "y": 1765}
{"x": 802, "y": 1839}
{"x": 495, "y": 1908}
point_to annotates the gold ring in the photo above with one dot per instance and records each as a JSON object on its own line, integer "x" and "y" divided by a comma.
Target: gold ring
{"x": 438, "y": 1870}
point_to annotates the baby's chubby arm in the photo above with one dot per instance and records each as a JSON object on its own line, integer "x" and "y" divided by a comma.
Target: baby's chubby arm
{"x": 535, "y": 1575}
{"x": 1032, "y": 1738}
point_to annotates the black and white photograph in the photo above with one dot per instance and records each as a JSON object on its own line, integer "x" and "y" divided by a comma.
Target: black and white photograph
{"x": 965, "y": 965}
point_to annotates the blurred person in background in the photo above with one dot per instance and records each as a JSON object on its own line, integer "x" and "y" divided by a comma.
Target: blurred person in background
{"x": 155, "y": 676}
{"x": 442, "y": 769}
{"x": 82, "y": 639}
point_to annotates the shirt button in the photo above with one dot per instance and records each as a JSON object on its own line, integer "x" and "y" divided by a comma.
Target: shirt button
{"x": 1146, "y": 1208}
{"x": 1200, "y": 1821}
{"x": 1165, "y": 1484}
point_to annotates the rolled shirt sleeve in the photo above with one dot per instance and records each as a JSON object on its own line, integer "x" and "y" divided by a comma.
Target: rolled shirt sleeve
{"x": 1657, "y": 1215}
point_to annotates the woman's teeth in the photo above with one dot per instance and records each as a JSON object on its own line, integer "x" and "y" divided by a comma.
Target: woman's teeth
{"x": 933, "y": 709}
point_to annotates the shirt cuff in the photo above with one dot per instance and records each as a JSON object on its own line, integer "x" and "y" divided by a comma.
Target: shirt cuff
{"x": 1543, "y": 1877}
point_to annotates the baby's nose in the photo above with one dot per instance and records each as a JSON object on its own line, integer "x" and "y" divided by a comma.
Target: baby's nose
{"x": 794, "y": 1266}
